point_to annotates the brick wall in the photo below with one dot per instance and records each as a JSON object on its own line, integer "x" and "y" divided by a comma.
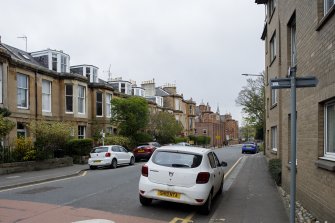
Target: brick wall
{"x": 315, "y": 56}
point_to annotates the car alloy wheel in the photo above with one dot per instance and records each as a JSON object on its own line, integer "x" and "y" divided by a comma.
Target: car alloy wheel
{"x": 114, "y": 164}
{"x": 132, "y": 161}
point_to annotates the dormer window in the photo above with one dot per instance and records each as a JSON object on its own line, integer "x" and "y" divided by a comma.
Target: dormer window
{"x": 89, "y": 71}
{"x": 53, "y": 60}
{"x": 63, "y": 63}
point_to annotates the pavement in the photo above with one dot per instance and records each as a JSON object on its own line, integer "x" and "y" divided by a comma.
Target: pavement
{"x": 250, "y": 195}
{"x": 13, "y": 180}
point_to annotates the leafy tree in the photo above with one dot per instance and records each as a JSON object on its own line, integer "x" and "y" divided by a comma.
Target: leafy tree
{"x": 6, "y": 126}
{"x": 119, "y": 140}
{"x": 251, "y": 98}
{"x": 49, "y": 136}
{"x": 164, "y": 127}
{"x": 131, "y": 115}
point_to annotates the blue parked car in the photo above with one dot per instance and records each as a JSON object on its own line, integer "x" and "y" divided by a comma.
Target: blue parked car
{"x": 250, "y": 147}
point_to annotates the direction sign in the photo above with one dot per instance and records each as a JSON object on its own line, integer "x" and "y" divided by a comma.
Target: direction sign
{"x": 280, "y": 83}
{"x": 301, "y": 82}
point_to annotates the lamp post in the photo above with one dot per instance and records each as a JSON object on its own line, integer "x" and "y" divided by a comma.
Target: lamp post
{"x": 264, "y": 123}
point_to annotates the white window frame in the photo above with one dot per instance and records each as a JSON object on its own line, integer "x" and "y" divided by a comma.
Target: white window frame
{"x": 328, "y": 4}
{"x": 81, "y": 132}
{"x": 68, "y": 96}
{"x": 100, "y": 102}
{"x": 82, "y": 98}
{"x": 177, "y": 104}
{"x": 26, "y": 89}
{"x": 54, "y": 62}
{"x": 273, "y": 48}
{"x": 108, "y": 105}
{"x": 274, "y": 96}
{"x": 46, "y": 94}
{"x": 328, "y": 155}
{"x": 274, "y": 138}
{"x": 63, "y": 63}
{"x": 1, "y": 83}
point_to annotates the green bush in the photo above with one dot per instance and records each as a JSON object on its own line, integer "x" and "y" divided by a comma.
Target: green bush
{"x": 120, "y": 140}
{"x": 181, "y": 139}
{"x": 275, "y": 170}
{"x": 141, "y": 137}
{"x": 79, "y": 147}
{"x": 24, "y": 149}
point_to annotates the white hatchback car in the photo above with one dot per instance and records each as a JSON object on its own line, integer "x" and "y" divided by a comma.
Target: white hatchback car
{"x": 188, "y": 175}
{"x": 111, "y": 155}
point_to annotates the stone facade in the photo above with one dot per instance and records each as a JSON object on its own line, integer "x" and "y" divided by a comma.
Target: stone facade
{"x": 302, "y": 33}
{"x": 21, "y": 73}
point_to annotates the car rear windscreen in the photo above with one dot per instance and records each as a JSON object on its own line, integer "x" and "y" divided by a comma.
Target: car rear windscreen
{"x": 99, "y": 150}
{"x": 177, "y": 159}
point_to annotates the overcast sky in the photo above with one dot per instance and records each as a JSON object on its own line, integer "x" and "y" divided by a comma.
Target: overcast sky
{"x": 202, "y": 46}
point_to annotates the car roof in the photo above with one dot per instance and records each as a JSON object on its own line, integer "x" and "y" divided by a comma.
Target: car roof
{"x": 178, "y": 148}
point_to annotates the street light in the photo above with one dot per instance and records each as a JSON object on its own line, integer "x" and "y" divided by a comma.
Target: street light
{"x": 255, "y": 75}
{"x": 264, "y": 123}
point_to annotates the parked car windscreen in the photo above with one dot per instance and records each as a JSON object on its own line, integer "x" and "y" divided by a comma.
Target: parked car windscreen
{"x": 177, "y": 159}
{"x": 99, "y": 150}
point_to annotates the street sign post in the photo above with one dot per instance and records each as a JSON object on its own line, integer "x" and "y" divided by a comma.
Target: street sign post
{"x": 300, "y": 82}
{"x": 293, "y": 82}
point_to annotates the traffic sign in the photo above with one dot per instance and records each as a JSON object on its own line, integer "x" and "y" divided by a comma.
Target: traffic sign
{"x": 301, "y": 82}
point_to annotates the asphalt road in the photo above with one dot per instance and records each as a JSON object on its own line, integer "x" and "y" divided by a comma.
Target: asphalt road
{"x": 112, "y": 191}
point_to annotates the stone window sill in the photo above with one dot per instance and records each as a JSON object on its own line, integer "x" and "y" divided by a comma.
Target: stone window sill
{"x": 325, "y": 164}
{"x": 324, "y": 20}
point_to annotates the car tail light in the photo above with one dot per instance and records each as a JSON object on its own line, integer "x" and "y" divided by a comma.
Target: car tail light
{"x": 108, "y": 155}
{"x": 203, "y": 177}
{"x": 199, "y": 200}
{"x": 145, "y": 171}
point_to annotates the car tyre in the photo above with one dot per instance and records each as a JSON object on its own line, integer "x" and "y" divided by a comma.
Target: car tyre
{"x": 221, "y": 188}
{"x": 207, "y": 207}
{"x": 145, "y": 201}
{"x": 114, "y": 164}
{"x": 93, "y": 167}
{"x": 132, "y": 161}
{"x": 137, "y": 159}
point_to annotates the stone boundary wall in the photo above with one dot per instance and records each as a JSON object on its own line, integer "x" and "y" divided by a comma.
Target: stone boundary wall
{"x": 7, "y": 168}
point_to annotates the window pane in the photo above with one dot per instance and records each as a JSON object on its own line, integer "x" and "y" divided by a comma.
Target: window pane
{"x": 81, "y": 99}
{"x": 69, "y": 97}
{"x": 22, "y": 81}
{"x": 99, "y": 103}
{"x": 330, "y": 129}
{"x": 22, "y": 90}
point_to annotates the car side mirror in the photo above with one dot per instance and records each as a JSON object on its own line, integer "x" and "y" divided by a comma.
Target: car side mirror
{"x": 224, "y": 164}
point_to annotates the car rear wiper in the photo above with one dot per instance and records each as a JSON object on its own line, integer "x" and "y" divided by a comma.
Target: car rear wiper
{"x": 179, "y": 165}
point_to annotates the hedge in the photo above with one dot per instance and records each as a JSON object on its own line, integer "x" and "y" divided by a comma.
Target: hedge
{"x": 79, "y": 147}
